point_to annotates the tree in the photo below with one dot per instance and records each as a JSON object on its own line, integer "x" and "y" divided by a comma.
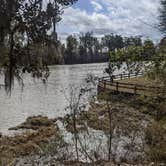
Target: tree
{"x": 26, "y": 19}
{"x": 29, "y": 20}
{"x": 132, "y": 41}
{"x": 113, "y": 42}
{"x": 162, "y": 48}
{"x": 55, "y": 9}
{"x": 71, "y": 50}
{"x": 88, "y": 46}
{"x": 149, "y": 49}
{"x": 3, "y": 22}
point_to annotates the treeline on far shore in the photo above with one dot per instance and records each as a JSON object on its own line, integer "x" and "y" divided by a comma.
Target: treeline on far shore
{"x": 78, "y": 49}
{"x": 86, "y": 48}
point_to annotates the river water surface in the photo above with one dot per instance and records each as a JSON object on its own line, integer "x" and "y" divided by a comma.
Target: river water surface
{"x": 38, "y": 99}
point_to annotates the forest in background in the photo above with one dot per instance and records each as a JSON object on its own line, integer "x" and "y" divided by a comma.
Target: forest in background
{"x": 27, "y": 47}
{"x": 78, "y": 49}
{"x": 28, "y": 37}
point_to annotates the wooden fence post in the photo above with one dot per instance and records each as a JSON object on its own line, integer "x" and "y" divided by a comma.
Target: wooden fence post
{"x": 128, "y": 75}
{"x": 135, "y": 89}
{"x": 121, "y": 76}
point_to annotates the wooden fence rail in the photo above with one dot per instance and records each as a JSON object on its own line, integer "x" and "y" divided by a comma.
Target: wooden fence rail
{"x": 122, "y": 76}
{"x": 109, "y": 84}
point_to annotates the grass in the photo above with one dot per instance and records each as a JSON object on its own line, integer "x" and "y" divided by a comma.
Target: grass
{"x": 142, "y": 80}
{"x": 28, "y": 143}
{"x": 138, "y": 85}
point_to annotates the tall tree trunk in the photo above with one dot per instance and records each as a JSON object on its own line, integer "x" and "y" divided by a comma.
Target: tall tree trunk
{"x": 54, "y": 30}
{"x": 9, "y": 73}
{"x": 2, "y": 36}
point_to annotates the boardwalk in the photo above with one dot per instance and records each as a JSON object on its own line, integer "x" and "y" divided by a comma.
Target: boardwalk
{"x": 117, "y": 85}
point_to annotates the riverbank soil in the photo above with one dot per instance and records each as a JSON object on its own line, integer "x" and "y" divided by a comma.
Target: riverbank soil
{"x": 133, "y": 120}
{"x": 128, "y": 123}
{"x": 29, "y": 142}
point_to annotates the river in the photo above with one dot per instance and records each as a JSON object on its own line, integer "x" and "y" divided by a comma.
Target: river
{"x": 39, "y": 99}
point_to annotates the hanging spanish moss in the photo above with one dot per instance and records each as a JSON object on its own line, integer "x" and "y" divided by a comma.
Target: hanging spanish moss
{"x": 24, "y": 27}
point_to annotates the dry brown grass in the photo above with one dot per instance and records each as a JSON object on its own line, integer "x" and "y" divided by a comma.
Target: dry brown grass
{"x": 142, "y": 80}
{"x": 35, "y": 123}
{"x": 124, "y": 117}
{"x": 29, "y": 142}
{"x": 141, "y": 85}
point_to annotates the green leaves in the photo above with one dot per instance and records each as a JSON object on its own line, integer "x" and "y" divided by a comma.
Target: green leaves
{"x": 131, "y": 53}
{"x": 134, "y": 57}
{"x": 25, "y": 25}
{"x": 113, "y": 42}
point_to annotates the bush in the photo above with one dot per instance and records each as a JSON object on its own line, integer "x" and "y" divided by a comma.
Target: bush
{"x": 155, "y": 139}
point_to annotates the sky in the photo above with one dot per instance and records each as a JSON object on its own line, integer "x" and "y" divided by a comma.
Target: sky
{"x": 123, "y": 17}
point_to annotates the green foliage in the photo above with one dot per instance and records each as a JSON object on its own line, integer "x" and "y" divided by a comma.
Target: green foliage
{"x": 132, "y": 41}
{"x": 157, "y": 68}
{"x": 71, "y": 53}
{"x": 87, "y": 41}
{"x": 113, "y": 42}
{"x": 133, "y": 53}
{"x": 149, "y": 50}
{"x": 130, "y": 55}
{"x": 55, "y": 9}
{"x": 84, "y": 48}
{"x": 24, "y": 24}
{"x": 161, "y": 50}
{"x": 158, "y": 71}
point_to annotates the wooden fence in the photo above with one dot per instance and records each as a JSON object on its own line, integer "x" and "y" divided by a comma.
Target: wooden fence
{"x": 113, "y": 84}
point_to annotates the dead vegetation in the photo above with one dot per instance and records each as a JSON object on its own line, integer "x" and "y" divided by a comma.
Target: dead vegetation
{"x": 127, "y": 121}
{"x": 141, "y": 80}
{"x": 124, "y": 116}
{"x": 127, "y": 124}
{"x": 35, "y": 123}
{"x": 28, "y": 143}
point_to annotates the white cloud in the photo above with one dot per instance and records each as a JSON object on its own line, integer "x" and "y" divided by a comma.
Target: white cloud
{"x": 97, "y": 7}
{"x": 125, "y": 17}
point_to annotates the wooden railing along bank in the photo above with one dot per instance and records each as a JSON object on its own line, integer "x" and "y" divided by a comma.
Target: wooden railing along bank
{"x": 108, "y": 84}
